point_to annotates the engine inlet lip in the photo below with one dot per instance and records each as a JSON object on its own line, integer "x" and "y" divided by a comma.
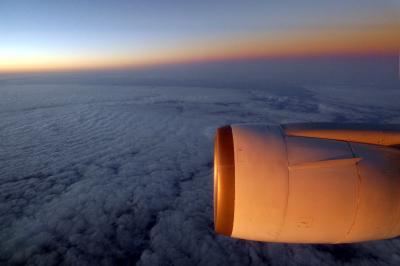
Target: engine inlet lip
{"x": 224, "y": 181}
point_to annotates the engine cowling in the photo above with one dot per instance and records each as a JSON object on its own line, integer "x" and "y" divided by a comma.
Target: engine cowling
{"x": 307, "y": 183}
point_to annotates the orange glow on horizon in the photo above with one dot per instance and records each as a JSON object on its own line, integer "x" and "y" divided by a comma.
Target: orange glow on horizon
{"x": 282, "y": 44}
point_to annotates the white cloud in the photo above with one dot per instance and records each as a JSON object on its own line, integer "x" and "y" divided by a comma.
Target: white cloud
{"x": 122, "y": 174}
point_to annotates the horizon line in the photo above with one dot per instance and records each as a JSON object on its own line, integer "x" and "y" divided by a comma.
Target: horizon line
{"x": 198, "y": 61}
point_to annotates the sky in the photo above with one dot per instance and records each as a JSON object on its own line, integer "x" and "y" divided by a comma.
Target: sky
{"x": 74, "y": 35}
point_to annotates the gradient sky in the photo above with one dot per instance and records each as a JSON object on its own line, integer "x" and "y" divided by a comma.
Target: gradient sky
{"x": 79, "y": 34}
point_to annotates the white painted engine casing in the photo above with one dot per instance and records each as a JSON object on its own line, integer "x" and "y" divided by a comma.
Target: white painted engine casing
{"x": 286, "y": 187}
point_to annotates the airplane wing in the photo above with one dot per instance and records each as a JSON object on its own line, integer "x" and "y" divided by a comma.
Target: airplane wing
{"x": 386, "y": 135}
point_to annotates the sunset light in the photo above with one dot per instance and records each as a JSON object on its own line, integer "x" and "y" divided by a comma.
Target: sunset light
{"x": 88, "y": 40}
{"x": 199, "y": 132}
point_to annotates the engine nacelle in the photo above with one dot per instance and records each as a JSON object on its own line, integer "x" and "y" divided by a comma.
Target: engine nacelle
{"x": 307, "y": 183}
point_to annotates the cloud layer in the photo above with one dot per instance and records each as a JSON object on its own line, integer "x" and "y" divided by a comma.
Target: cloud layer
{"x": 123, "y": 174}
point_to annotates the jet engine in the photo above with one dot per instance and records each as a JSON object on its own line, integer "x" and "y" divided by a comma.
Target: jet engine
{"x": 307, "y": 183}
